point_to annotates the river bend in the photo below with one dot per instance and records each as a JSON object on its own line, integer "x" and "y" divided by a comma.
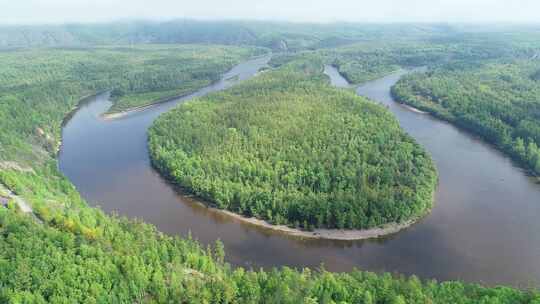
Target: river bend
{"x": 484, "y": 226}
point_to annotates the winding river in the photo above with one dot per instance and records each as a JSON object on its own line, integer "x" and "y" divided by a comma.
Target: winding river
{"x": 483, "y": 228}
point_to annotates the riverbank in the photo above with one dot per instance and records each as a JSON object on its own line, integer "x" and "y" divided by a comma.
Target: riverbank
{"x": 323, "y": 234}
{"x": 119, "y": 114}
{"x": 413, "y": 109}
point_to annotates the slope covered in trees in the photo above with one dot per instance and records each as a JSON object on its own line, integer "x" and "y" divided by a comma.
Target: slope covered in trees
{"x": 129, "y": 262}
{"x": 499, "y": 101}
{"x": 288, "y": 148}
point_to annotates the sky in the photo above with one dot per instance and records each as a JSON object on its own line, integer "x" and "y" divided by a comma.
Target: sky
{"x": 66, "y": 11}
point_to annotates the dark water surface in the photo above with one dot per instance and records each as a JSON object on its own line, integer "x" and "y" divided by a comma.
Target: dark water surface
{"x": 484, "y": 226}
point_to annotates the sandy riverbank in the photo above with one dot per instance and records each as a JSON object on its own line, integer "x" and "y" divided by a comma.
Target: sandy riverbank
{"x": 322, "y": 234}
{"x": 413, "y": 109}
{"x": 120, "y": 114}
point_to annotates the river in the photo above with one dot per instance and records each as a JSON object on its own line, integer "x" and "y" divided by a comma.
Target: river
{"x": 483, "y": 228}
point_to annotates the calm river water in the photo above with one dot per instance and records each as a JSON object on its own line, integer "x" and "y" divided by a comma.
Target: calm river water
{"x": 484, "y": 226}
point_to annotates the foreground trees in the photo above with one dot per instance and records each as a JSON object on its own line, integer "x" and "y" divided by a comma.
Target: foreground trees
{"x": 288, "y": 148}
{"x": 129, "y": 262}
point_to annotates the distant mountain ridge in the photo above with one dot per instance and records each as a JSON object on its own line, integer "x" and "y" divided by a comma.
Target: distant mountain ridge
{"x": 274, "y": 35}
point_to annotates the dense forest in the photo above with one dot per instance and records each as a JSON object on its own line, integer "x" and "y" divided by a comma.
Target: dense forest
{"x": 500, "y": 101}
{"x": 67, "y": 252}
{"x": 288, "y": 148}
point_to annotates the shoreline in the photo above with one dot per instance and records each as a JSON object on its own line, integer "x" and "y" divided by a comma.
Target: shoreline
{"x": 317, "y": 234}
{"x": 323, "y": 234}
{"x": 412, "y": 109}
{"x": 82, "y": 101}
{"x": 70, "y": 114}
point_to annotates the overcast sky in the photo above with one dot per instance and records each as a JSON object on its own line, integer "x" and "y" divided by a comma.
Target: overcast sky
{"x": 61, "y": 11}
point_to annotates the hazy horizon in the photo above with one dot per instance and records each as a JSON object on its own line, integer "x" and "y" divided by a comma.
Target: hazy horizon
{"x": 28, "y": 12}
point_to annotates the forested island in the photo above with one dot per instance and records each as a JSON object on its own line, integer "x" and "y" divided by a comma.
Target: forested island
{"x": 64, "y": 251}
{"x": 288, "y": 148}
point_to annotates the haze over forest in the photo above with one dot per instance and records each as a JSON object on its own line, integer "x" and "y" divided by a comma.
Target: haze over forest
{"x": 62, "y": 11}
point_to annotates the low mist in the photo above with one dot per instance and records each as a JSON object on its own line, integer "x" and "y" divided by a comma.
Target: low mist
{"x": 473, "y": 11}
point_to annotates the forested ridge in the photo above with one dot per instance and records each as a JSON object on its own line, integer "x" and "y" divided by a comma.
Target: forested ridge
{"x": 76, "y": 254}
{"x": 279, "y": 36}
{"x": 500, "y": 101}
{"x": 288, "y": 148}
